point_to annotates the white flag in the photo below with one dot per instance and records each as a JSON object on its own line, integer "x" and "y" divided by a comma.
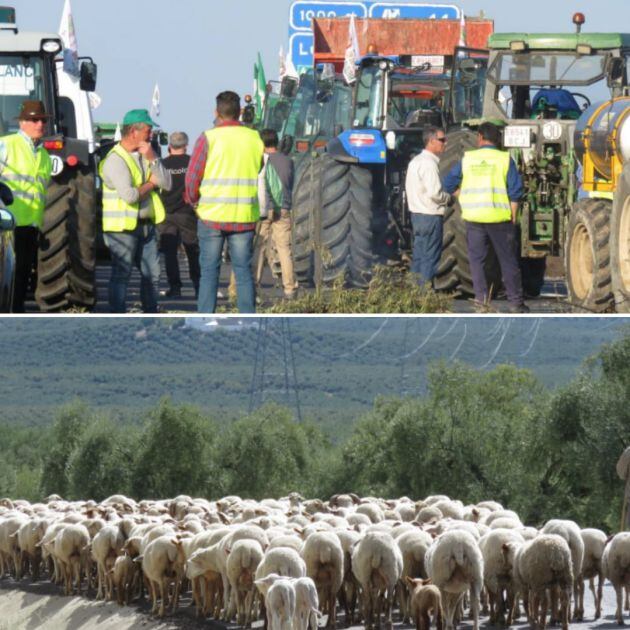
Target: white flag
{"x": 290, "y": 69}
{"x": 94, "y": 99}
{"x": 283, "y": 64}
{"x": 117, "y": 133}
{"x": 462, "y": 31}
{"x": 155, "y": 101}
{"x": 69, "y": 40}
{"x": 352, "y": 53}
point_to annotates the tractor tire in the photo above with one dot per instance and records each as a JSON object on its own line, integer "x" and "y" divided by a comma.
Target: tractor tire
{"x": 453, "y": 273}
{"x": 302, "y": 230}
{"x": 67, "y": 260}
{"x": 620, "y": 243}
{"x": 587, "y": 255}
{"x": 348, "y": 223}
{"x": 344, "y": 222}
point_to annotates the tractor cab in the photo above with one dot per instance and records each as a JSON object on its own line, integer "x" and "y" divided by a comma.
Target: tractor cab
{"x": 539, "y": 86}
{"x": 319, "y": 111}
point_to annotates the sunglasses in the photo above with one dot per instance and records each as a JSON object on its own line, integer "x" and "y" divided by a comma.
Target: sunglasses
{"x": 36, "y": 120}
{"x": 441, "y": 139}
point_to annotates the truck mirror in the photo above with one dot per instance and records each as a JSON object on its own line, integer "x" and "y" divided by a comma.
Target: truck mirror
{"x": 163, "y": 139}
{"x": 88, "y": 76}
{"x": 288, "y": 87}
{"x": 615, "y": 71}
{"x": 286, "y": 144}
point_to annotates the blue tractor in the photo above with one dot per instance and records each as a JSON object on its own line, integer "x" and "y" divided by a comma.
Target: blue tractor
{"x": 350, "y": 211}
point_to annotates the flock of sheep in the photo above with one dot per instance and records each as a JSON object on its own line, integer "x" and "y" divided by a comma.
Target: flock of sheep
{"x": 291, "y": 561}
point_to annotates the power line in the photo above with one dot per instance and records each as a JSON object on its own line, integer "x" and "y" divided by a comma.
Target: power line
{"x": 461, "y": 343}
{"x": 506, "y": 327}
{"x": 366, "y": 343}
{"x": 423, "y": 343}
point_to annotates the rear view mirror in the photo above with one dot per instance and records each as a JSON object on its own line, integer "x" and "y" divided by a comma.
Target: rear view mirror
{"x": 163, "y": 139}
{"x": 615, "y": 69}
{"x": 288, "y": 87}
{"x": 7, "y": 222}
{"x": 88, "y": 76}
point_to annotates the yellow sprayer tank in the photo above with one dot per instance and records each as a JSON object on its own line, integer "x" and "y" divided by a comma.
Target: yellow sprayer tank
{"x": 602, "y": 135}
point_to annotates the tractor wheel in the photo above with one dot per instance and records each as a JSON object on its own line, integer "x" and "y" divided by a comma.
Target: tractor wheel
{"x": 454, "y": 269}
{"x": 587, "y": 255}
{"x": 620, "y": 243}
{"x": 348, "y": 222}
{"x": 66, "y": 265}
{"x": 302, "y": 229}
{"x": 344, "y": 221}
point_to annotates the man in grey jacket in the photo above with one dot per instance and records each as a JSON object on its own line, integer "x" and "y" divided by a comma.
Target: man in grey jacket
{"x": 427, "y": 201}
{"x": 132, "y": 173}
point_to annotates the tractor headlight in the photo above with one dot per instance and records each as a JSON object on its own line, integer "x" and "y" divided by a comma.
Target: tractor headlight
{"x": 390, "y": 140}
{"x": 52, "y": 46}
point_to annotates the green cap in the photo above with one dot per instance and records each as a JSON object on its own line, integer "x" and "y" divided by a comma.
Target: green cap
{"x": 136, "y": 116}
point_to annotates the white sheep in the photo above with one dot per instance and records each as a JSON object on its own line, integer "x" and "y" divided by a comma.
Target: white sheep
{"x": 70, "y": 549}
{"x": 377, "y": 564}
{"x": 570, "y": 531}
{"x": 244, "y": 558}
{"x": 306, "y": 599}
{"x": 279, "y": 603}
{"x": 455, "y": 565}
{"x": 413, "y": 546}
{"x": 497, "y": 548}
{"x": 594, "y": 545}
{"x": 616, "y": 567}
{"x": 323, "y": 556}
{"x": 544, "y": 565}
{"x": 163, "y": 560}
{"x": 107, "y": 545}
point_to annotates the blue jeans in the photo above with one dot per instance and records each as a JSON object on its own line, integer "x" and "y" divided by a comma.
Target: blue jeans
{"x": 137, "y": 247}
{"x": 427, "y": 245}
{"x": 240, "y": 245}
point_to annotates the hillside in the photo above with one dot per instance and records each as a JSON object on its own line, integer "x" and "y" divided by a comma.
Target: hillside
{"x": 124, "y": 366}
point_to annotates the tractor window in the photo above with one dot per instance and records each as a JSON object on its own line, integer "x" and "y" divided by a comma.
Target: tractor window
{"x": 21, "y": 78}
{"x": 547, "y": 68}
{"x": 469, "y": 81}
{"x": 369, "y": 95}
{"x": 416, "y": 104}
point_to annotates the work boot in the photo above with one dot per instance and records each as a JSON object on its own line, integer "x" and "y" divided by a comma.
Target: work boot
{"x": 518, "y": 309}
{"x": 172, "y": 292}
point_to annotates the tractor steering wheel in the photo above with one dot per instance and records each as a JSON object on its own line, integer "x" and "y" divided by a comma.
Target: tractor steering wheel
{"x": 586, "y": 99}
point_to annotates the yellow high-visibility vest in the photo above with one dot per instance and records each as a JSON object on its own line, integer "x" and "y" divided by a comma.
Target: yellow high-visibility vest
{"x": 118, "y": 215}
{"x": 483, "y": 197}
{"x": 229, "y": 189}
{"x": 27, "y": 174}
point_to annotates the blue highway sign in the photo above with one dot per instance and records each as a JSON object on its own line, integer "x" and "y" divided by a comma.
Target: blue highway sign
{"x": 402, "y": 11}
{"x": 303, "y": 12}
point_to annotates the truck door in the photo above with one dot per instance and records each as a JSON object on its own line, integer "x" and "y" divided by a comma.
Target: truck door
{"x": 468, "y": 83}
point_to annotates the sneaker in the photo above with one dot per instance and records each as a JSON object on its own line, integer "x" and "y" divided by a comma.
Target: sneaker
{"x": 518, "y": 309}
{"x": 220, "y": 295}
{"x": 173, "y": 292}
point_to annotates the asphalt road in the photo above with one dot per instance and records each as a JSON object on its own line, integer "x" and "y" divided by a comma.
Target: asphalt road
{"x": 21, "y": 601}
{"x": 553, "y": 299}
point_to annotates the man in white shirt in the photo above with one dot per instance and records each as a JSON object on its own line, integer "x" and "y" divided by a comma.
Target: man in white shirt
{"x": 427, "y": 201}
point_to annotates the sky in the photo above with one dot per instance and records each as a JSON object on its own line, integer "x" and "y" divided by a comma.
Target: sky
{"x": 196, "y": 48}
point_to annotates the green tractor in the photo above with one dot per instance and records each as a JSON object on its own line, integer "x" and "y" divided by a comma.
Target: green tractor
{"x": 543, "y": 88}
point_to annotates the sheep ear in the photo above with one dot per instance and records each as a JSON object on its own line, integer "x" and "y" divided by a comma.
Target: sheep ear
{"x": 427, "y": 581}
{"x": 410, "y": 581}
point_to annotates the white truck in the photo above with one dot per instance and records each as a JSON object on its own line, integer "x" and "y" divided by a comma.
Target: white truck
{"x": 30, "y": 68}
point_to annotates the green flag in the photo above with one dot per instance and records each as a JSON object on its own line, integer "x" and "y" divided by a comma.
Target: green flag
{"x": 260, "y": 87}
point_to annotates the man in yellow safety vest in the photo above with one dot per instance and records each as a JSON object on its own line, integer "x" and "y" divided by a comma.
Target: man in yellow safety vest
{"x": 131, "y": 174}
{"x": 25, "y": 167}
{"x": 222, "y": 182}
{"x": 490, "y": 188}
